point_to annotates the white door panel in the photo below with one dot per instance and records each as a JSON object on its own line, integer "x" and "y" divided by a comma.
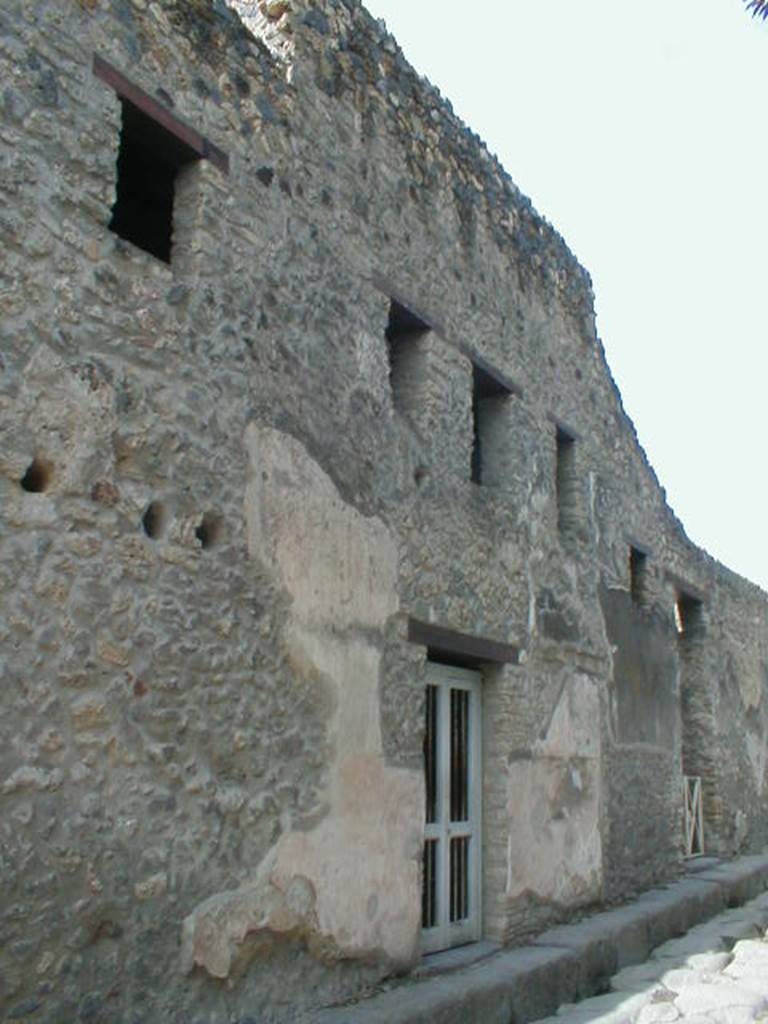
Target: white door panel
{"x": 452, "y": 835}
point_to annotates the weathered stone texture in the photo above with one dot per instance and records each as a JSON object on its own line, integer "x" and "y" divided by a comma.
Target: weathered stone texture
{"x": 221, "y": 499}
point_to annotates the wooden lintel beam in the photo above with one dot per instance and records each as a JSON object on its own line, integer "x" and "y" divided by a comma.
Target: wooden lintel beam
{"x": 159, "y": 113}
{"x": 451, "y": 642}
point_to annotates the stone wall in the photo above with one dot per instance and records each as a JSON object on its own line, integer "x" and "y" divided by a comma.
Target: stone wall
{"x": 223, "y": 497}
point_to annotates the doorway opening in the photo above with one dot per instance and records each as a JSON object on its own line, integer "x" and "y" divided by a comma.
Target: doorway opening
{"x": 451, "y": 891}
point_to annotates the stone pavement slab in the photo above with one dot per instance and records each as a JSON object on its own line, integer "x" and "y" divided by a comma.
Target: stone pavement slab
{"x": 741, "y": 879}
{"x": 529, "y": 981}
{"x": 727, "y": 987}
{"x": 568, "y": 963}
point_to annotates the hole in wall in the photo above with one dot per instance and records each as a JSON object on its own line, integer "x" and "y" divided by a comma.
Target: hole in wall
{"x": 266, "y": 176}
{"x": 147, "y": 164}
{"x": 208, "y": 531}
{"x": 689, "y": 616}
{"x": 638, "y": 569}
{"x": 486, "y": 416}
{"x": 37, "y": 477}
{"x": 420, "y": 475}
{"x": 404, "y": 329}
{"x": 566, "y": 481}
{"x": 153, "y": 520}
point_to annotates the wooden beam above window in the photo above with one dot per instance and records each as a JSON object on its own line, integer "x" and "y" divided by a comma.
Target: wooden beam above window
{"x": 160, "y": 114}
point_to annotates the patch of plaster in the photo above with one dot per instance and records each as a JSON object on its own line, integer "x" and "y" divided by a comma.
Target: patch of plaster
{"x": 339, "y": 567}
{"x": 750, "y": 683}
{"x": 357, "y": 871}
{"x": 571, "y": 731}
{"x": 554, "y": 847}
{"x": 758, "y": 757}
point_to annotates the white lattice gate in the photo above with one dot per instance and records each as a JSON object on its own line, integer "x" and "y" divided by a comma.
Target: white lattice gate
{"x": 694, "y": 818}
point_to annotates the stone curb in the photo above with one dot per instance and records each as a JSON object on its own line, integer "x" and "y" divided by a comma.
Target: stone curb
{"x": 564, "y": 964}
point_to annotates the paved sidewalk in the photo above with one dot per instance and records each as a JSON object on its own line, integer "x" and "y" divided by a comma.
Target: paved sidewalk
{"x": 716, "y": 974}
{"x": 571, "y": 962}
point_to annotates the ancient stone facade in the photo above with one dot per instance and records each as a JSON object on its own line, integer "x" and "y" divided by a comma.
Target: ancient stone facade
{"x": 300, "y": 400}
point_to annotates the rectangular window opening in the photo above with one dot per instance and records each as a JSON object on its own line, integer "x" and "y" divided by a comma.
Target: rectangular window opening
{"x": 689, "y": 616}
{"x": 404, "y": 329}
{"x": 487, "y": 391}
{"x": 638, "y": 566}
{"x": 154, "y": 146}
{"x": 147, "y": 165}
{"x": 566, "y": 484}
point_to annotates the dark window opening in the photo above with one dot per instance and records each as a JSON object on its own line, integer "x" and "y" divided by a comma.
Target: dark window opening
{"x": 148, "y": 162}
{"x": 638, "y": 566}
{"x": 689, "y": 616}
{"x": 486, "y": 412}
{"x": 566, "y": 483}
{"x": 403, "y": 329}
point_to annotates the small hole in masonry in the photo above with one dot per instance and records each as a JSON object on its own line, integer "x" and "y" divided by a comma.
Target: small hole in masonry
{"x": 153, "y": 520}
{"x": 37, "y": 477}
{"x": 208, "y": 531}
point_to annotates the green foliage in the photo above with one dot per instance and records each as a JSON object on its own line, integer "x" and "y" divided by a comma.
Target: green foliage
{"x": 759, "y": 8}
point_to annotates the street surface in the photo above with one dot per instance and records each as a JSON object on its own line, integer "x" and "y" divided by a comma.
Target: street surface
{"x": 715, "y": 974}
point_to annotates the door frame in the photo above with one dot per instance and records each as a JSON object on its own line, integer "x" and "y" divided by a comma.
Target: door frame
{"x": 445, "y": 934}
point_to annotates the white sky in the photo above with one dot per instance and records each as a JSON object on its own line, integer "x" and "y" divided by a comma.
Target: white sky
{"x": 639, "y": 131}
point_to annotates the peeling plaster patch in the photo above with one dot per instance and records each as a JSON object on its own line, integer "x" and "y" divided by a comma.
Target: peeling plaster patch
{"x": 214, "y": 931}
{"x": 757, "y": 754}
{"x": 571, "y": 731}
{"x": 554, "y": 846}
{"x": 339, "y": 566}
{"x": 750, "y": 683}
{"x": 351, "y": 669}
{"x": 340, "y": 570}
{"x": 369, "y": 845}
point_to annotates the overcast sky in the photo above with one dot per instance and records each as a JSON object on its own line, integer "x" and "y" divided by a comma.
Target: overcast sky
{"x": 639, "y": 131}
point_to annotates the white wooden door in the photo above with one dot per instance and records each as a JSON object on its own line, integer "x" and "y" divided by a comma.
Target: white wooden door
{"x": 450, "y": 906}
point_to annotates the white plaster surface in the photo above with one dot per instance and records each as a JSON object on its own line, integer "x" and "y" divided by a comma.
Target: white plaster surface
{"x": 351, "y": 883}
{"x": 555, "y": 848}
{"x": 339, "y": 567}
